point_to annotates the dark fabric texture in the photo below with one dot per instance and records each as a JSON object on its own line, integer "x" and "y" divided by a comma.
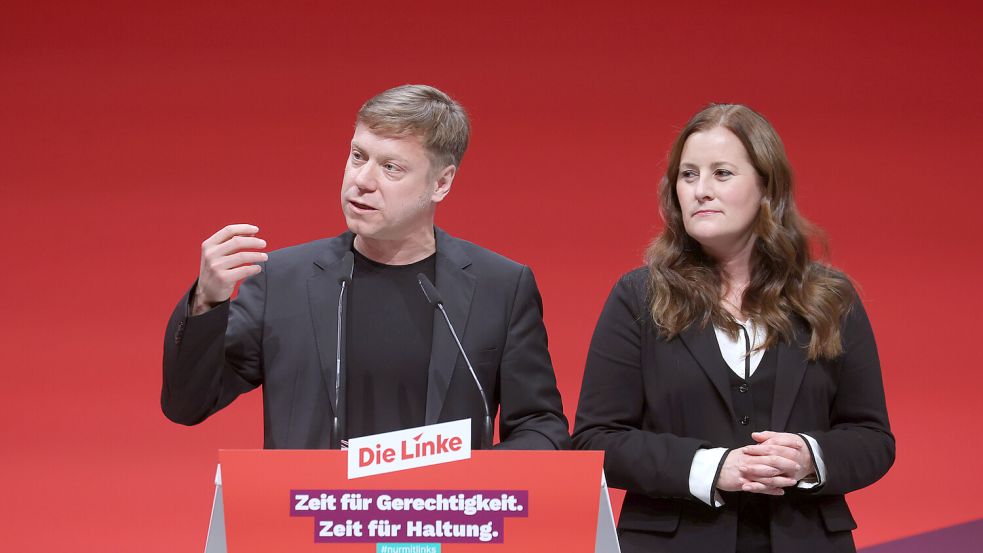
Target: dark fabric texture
{"x": 390, "y": 329}
{"x": 280, "y": 333}
{"x": 651, "y": 403}
{"x": 752, "y": 399}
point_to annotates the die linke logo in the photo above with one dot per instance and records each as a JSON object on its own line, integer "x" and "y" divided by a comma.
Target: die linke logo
{"x": 411, "y": 448}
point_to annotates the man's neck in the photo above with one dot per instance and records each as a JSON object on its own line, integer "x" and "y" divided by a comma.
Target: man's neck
{"x": 398, "y": 252}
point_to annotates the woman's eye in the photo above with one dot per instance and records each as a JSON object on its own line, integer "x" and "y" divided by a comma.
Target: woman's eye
{"x": 687, "y": 174}
{"x": 724, "y": 173}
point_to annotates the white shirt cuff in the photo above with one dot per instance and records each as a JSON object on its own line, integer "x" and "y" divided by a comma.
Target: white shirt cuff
{"x": 701, "y": 474}
{"x": 817, "y": 454}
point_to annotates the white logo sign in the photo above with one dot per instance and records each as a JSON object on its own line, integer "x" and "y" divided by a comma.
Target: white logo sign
{"x": 410, "y": 448}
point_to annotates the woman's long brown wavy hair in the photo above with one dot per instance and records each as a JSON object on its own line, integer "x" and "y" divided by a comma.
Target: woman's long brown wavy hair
{"x": 686, "y": 285}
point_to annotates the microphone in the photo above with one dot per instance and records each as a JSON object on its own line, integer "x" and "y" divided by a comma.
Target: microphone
{"x": 433, "y": 298}
{"x": 344, "y": 280}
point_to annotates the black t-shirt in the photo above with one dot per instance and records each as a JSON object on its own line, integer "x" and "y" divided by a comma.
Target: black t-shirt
{"x": 390, "y": 330}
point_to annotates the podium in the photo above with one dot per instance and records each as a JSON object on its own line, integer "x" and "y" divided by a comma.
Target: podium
{"x": 495, "y": 501}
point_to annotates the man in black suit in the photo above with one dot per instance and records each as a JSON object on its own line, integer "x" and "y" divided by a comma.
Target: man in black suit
{"x": 401, "y": 366}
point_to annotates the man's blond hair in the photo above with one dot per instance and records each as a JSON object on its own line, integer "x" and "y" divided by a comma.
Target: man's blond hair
{"x": 421, "y": 110}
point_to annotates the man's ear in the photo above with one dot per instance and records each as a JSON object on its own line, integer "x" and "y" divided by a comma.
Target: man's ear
{"x": 444, "y": 179}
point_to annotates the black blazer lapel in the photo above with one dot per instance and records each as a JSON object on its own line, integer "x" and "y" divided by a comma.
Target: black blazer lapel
{"x": 323, "y": 290}
{"x": 456, "y": 287}
{"x": 792, "y": 363}
{"x": 702, "y": 345}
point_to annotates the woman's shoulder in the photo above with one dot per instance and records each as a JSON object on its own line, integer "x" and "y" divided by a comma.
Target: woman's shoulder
{"x": 638, "y": 274}
{"x": 631, "y": 287}
{"x": 821, "y": 269}
{"x": 635, "y": 281}
{"x": 628, "y": 299}
{"x": 830, "y": 277}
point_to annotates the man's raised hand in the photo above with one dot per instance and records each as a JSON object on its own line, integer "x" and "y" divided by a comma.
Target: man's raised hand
{"x": 227, "y": 257}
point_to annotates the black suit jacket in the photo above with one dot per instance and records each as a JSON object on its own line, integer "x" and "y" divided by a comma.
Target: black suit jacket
{"x": 651, "y": 403}
{"x": 280, "y": 332}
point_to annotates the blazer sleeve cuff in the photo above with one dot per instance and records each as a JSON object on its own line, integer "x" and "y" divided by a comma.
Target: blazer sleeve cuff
{"x": 814, "y": 481}
{"x": 703, "y": 475}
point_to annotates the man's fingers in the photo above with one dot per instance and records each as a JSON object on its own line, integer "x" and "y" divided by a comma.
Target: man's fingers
{"x": 228, "y": 232}
{"x": 236, "y": 259}
{"x": 227, "y": 257}
{"x": 245, "y": 271}
{"x": 235, "y": 244}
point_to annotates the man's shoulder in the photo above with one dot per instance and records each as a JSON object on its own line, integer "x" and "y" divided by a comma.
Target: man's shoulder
{"x": 324, "y": 249}
{"x": 485, "y": 255}
{"x": 479, "y": 256}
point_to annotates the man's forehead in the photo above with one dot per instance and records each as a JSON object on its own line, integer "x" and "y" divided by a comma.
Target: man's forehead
{"x": 387, "y": 134}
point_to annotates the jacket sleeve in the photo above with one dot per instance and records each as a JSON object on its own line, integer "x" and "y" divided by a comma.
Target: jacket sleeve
{"x": 610, "y": 415}
{"x": 858, "y": 447}
{"x": 531, "y": 410}
{"x": 210, "y": 359}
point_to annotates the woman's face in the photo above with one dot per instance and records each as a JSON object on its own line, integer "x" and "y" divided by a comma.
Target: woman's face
{"x": 719, "y": 191}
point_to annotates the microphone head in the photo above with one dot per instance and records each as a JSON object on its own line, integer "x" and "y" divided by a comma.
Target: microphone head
{"x": 429, "y": 291}
{"x": 347, "y": 266}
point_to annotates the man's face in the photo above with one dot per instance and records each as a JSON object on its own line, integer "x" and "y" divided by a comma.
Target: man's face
{"x": 388, "y": 192}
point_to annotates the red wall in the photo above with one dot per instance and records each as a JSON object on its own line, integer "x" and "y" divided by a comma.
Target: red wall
{"x": 129, "y": 133}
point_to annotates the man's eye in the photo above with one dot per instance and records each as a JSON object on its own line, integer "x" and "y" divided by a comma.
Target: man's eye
{"x": 390, "y": 167}
{"x": 357, "y": 156}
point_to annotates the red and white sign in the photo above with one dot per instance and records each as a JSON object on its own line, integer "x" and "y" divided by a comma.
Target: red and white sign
{"x": 410, "y": 448}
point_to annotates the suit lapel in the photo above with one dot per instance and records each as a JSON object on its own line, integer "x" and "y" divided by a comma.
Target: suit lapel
{"x": 702, "y": 345}
{"x": 456, "y": 287}
{"x": 323, "y": 291}
{"x": 792, "y": 364}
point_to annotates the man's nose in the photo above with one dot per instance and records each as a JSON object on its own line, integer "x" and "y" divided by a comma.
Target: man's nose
{"x": 365, "y": 177}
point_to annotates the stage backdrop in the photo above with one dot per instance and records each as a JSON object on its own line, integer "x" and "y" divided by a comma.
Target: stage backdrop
{"x": 131, "y": 131}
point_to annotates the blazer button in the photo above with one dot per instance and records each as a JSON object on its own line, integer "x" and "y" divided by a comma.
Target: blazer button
{"x": 744, "y": 388}
{"x": 745, "y": 420}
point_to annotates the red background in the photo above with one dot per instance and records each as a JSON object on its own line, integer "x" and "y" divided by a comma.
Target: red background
{"x": 131, "y": 131}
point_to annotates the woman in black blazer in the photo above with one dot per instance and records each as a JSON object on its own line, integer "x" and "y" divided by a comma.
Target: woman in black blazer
{"x": 732, "y": 381}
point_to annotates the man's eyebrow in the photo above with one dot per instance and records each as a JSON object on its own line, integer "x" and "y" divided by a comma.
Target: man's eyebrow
{"x": 383, "y": 155}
